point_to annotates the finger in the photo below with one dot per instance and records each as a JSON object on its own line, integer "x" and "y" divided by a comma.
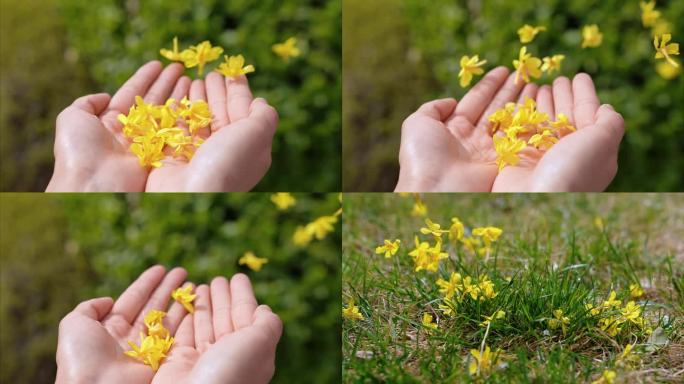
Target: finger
{"x": 562, "y": 98}
{"x": 135, "y": 296}
{"x": 185, "y": 336}
{"x": 508, "y": 93}
{"x": 545, "y": 101}
{"x": 480, "y": 96}
{"x": 269, "y": 322}
{"x": 530, "y": 91}
{"x": 162, "y": 87}
{"x": 239, "y": 98}
{"x": 181, "y": 89}
{"x": 243, "y": 303}
{"x": 95, "y": 309}
{"x": 265, "y": 115}
{"x": 137, "y": 85}
{"x": 204, "y": 328}
{"x": 174, "y": 317}
{"x": 93, "y": 104}
{"x": 216, "y": 94}
{"x": 585, "y": 102}
{"x": 198, "y": 92}
{"x": 160, "y": 297}
{"x": 220, "y": 305}
{"x": 438, "y": 109}
{"x": 612, "y": 122}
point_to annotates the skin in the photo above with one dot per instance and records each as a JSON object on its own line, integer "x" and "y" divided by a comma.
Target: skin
{"x": 228, "y": 339}
{"x": 445, "y": 145}
{"x": 91, "y": 152}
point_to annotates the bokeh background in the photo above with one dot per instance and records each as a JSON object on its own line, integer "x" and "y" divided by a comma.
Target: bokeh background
{"x": 53, "y": 51}
{"x": 398, "y": 54}
{"x": 58, "y": 250}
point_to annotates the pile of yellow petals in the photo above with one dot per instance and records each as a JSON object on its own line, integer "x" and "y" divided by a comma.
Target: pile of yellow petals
{"x": 153, "y": 128}
{"x": 252, "y": 261}
{"x": 613, "y": 317}
{"x": 526, "y": 127}
{"x": 185, "y": 297}
{"x": 195, "y": 56}
{"x": 317, "y": 229}
{"x": 155, "y": 346}
{"x": 352, "y": 311}
{"x": 389, "y": 248}
{"x": 287, "y": 50}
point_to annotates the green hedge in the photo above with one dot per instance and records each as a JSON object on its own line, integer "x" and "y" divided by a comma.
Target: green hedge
{"x": 106, "y": 43}
{"x": 399, "y": 54}
{"x": 60, "y": 250}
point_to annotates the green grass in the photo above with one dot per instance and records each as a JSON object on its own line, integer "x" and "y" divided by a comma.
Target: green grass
{"x": 555, "y": 257}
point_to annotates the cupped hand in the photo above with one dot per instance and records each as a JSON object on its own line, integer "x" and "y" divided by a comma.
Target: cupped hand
{"x": 446, "y": 146}
{"x": 91, "y": 151}
{"x": 93, "y": 337}
{"x": 228, "y": 339}
{"x": 236, "y": 153}
{"x": 582, "y": 161}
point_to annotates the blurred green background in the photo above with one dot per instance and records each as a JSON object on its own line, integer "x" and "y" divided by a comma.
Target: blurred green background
{"x": 58, "y": 250}
{"x": 398, "y": 54}
{"x": 53, "y": 51}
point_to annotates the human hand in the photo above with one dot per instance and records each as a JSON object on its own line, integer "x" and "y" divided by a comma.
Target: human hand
{"x": 585, "y": 160}
{"x": 93, "y": 337}
{"x": 446, "y": 146}
{"x": 228, "y": 339}
{"x": 237, "y": 150}
{"x": 91, "y": 151}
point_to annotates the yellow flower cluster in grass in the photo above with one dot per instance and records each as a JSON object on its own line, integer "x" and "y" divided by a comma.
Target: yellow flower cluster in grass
{"x": 526, "y": 127}
{"x": 613, "y": 317}
{"x": 155, "y": 345}
{"x": 352, "y": 311}
{"x": 459, "y": 288}
{"x": 185, "y": 297}
{"x": 252, "y": 261}
{"x": 153, "y": 128}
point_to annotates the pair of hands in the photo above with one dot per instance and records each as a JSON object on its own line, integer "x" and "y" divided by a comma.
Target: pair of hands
{"x": 445, "y": 145}
{"x": 228, "y": 339}
{"x": 91, "y": 152}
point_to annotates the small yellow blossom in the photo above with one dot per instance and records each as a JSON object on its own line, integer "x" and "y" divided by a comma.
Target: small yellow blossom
{"x": 507, "y": 150}
{"x": 234, "y": 66}
{"x": 607, "y": 377}
{"x": 426, "y": 257}
{"x": 153, "y": 322}
{"x": 352, "y": 311}
{"x": 428, "y": 323}
{"x": 174, "y": 55}
{"x": 502, "y": 117}
{"x": 667, "y": 71}
{"x": 612, "y": 302}
{"x": 559, "y": 321}
{"x": 185, "y": 297}
{"x": 322, "y": 226}
{"x": 152, "y": 350}
{"x": 432, "y": 229}
{"x": 199, "y": 55}
{"x": 627, "y": 357}
{"x": 302, "y": 237}
{"x": 543, "y": 141}
{"x": 527, "y": 33}
{"x": 448, "y": 308}
{"x": 389, "y": 248}
{"x": 149, "y": 152}
{"x": 254, "y": 263}
{"x": 526, "y": 66}
{"x": 196, "y": 114}
{"x": 495, "y": 316}
{"x": 552, "y": 63}
{"x": 470, "y": 289}
{"x": 470, "y": 66}
{"x": 484, "y": 362}
{"x": 488, "y": 234}
{"x": 635, "y": 291}
{"x": 419, "y": 208}
{"x": 287, "y": 49}
{"x": 456, "y": 230}
{"x": 598, "y": 222}
{"x": 283, "y": 200}
{"x": 591, "y": 36}
{"x": 486, "y": 288}
{"x": 664, "y": 50}
{"x": 632, "y": 312}
{"x": 648, "y": 13}
{"x": 449, "y": 288}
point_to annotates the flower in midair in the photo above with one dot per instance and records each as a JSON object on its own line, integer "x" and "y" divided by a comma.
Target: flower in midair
{"x": 287, "y": 49}
{"x": 283, "y": 200}
{"x": 664, "y": 50}
{"x": 470, "y": 66}
{"x": 552, "y": 63}
{"x": 235, "y": 66}
{"x": 527, "y": 33}
{"x": 591, "y": 36}
{"x": 199, "y": 55}
{"x": 252, "y": 261}
{"x": 649, "y": 15}
{"x": 526, "y": 66}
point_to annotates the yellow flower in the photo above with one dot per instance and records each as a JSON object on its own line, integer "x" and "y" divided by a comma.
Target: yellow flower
{"x": 562, "y": 124}
{"x": 449, "y": 288}
{"x": 234, "y": 66}
{"x": 470, "y": 289}
{"x": 448, "y": 308}
{"x": 526, "y": 66}
{"x": 302, "y": 237}
{"x": 484, "y": 362}
{"x": 488, "y": 234}
{"x": 496, "y": 315}
{"x": 627, "y": 358}
{"x": 591, "y": 36}
{"x": 607, "y": 377}
{"x": 664, "y": 50}
{"x": 648, "y": 13}
{"x": 598, "y": 222}
{"x": 456, "y": 230}
{"x": 592, "y": 310}
{"x": 283, "y": 200}
{"x": 502, "y": 118}
{"x": 153, "y": 322}
{"x": 667, "y": 71}
{"x": 149, "y": 151}
{"x": 527, "y": 33}
{"x": 559, "y": 321}
{"x": 635, "y": 291}
{"x": 552, "y": 63}
{"x": 432, "y": 228}
{"x": 196, "y": 114}
{"x": 254, "y": 263}
{"x": 470, "y": 66}
{"x": 632, "y": 312}
{"x": 322, "y": 226}
{"x": 486, "y": 288}
{"x": 287, "y": 49}
{"x": 426, "y": 257}
{"x": 507, "y": 150}
{"x": 611, "y": 302}
{"x": 389, "y": 249}
{"x": 427, "y": 322}
{"x": 185, "y": 297}
{"x": 419, "y": 209}
{"x": 352, "y": 311}
{"x": 544, "y": 140}
{"x": 174, "y": 55}
{"x": 152, "y": 350}
{"x": 199, "y": 55}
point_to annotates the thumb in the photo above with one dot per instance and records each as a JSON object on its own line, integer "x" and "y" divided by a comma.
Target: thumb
{"x": 95, "y": 309}
{"x": 92, "y": 104}
{"x": 269, "y": 322}
{"x": 439, "y": 109}
{"x": 610, "y": 122}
